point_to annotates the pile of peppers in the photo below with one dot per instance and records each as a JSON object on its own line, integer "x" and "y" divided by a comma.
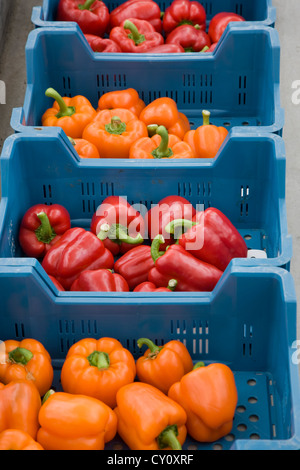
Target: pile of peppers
{"x": 172, "y": 248}
{"x": 151, "y": 402}
{"x": 123, "y": 126}
{"x": 139, "y": 26}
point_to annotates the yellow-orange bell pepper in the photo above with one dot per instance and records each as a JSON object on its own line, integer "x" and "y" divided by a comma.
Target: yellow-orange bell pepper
{"x": 15, "y": 439}
{"x": 98, "y": 368}
{"x": 71, "y": 114}
{"x": 113, "y": 131}
{"x": 84, "y": 148}
{"x": 20, "y": 403}
{"x": 209, "y": 396}
{"x": 160, "y": 145}
{"x": 207, "y": 139}
{"x": 75, "y": 422}
{"x": 26, "y": 360}
{"x": 162, "y": 366}
{"x": 148, "y": 419}
{"x": 128, "y": 99}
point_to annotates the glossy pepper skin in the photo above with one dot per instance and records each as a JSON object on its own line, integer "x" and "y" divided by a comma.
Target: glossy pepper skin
{"x": 164, "y": 112}
{"x": 207, "y": 139}
{"x": 98, "y": 368}
{"x": 113, "y": 131}
{"x": 135, "y": 265}
{"x": 15, "y": 439}
{"x": 99, "y": 44}
{"x": 26, "y": 360}
{"x": 20, "y": 403}
{"x": 159, "y": 216}
{"x": 211, "y": 237}
{"x": 166, "y": 49}
{"x": 91, "y": 15}
{"x": 100, "y": 280}
{"x": 41, "y": 227}
{"x": 137, "y": 36}
{"x": 148, "y": 419}
{"x": 150, "y": 287}
{"x": 181, "y": 12}
{"x": 75, "y": 422}
{"x": 219, "y": 23}
{"x": 191, "y": 274}
{"x": 162, "y": 366}
{"x": 191, "y": 38}
{"x": 209, "y": 396}
{"x": 118, "y": 224}
{"x": 76, "y": 251}
{"x": 84, "y": 148}
{"x": 127, "y": 98}
{"x": 141, "y": 9}
{"x": 160, "y": 146}
{"x": 71, "y": 114}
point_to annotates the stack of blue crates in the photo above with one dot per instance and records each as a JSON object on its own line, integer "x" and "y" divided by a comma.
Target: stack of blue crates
{"x": 249, "y": 320}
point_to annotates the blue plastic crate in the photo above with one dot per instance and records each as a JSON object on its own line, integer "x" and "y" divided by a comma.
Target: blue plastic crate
{"x": 256, "y": 11}
{"x": 239, "y": 83}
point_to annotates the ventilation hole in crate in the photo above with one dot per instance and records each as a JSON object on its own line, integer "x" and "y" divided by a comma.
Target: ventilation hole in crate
{"x": 254, "y": 436}
{"x": 239, "y": 8}
{"x": 192, "y": 447}
{"x": 252, "y": 400}
{"x": 229, "y": 438}
{"x": 253, "y": 418}
{"x": 251, "y": 382}
{"x": 19, "y": 330}
{"x": 189, "y": 80}
{"x": 241, "y": 409}
{"x": 47, "y": 191}
{"x": 217, "y": 446}
{"x": 274, "y": 431}
{"x": 247, "y": 237}
{"x": 227, "y": 124}
{"x": 242, "y": 427}
{"x": 67, "y": 86}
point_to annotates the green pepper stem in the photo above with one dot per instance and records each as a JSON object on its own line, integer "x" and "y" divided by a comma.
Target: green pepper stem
{"x": 47, "y": 395}
{"x": 205, "y": 48}
{"x": 134, "y": 32}
{"x": 20, "y": 356}
{"x": 153, "y": 348}
{"x": 115, "y": 126}
{"x": 118, "y": 233}
{"x": 163, "y": 150}
{"x": 183, "y": 223}
{"x": 172, "y": 284}
{"x": 99, "y": 359}
{"x": 64, "y": 110}
{"x": 157, "y": 241}
{"x": 206, "y": 116}
{"x": 44, "y": 233}
{"x": 168, "y": 438}
{"x": 198, "y": 365}
{"x": 87, "y": 5}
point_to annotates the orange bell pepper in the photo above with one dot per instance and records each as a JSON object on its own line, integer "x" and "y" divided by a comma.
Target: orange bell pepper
{"x": 128, "y": 99}
{"x": 148, "y": 419}
{"x": 84, "y": 148}
{"x": 164, "y": 112}
{"x": 97, "y": 368}
{"x": 113, "y": 131}
{"x": 26, "y": 360}
{"x": 160, "y": 145}
{"x": 162, "y": 366}
{"x": 75, "y": 422}
{"x": 71, "y": 114}
{"x": 20, "y": 403}
{"x": 207, "y": 139}
{"x": 209, "y": 397}
{"x": 15, "y": 439}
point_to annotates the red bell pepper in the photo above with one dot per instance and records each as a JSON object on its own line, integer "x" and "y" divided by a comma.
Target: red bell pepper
{"x": 99, "y": 44}
{"x": 135, "y": 35}
{"x": 57, "y": 284}
{"x": 191, "y": 38}
{"x": 100, "y": 280}
{"x": 41, "y": 227}
{"x": 142, "y": 9}
{"x": 166, "y": 49}
{"x": 91, "y": 15}
{"x": 184, "y": 12}
{"x": 76, "y": 251}
{"x": 135, "y": 265}
{"x": 191, "y": 274}
{"x": 168, "y": 209}
{"x": 118, "y": 224}
{"x": 211, "y": 237}
{"x": 150, "y": 287}
{"x": 219, "y": 23}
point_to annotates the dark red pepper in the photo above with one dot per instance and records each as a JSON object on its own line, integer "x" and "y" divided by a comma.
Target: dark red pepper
{"x": 211, "y": 237}
{"x": 166, "y": 49}
{"x": 76, "y": 251}
{"x": 41, "y": 227}
{"x": 135, "y": 35}
{"x": 150, "y": 287}
{"x": 99, "y": 44}
{"x": 100, "y": 280}
{"x": 168, "y": 209}
{"x": 147, "y": 10}
{"x": 91, "y": 15}
{"x": 184, "y": 12}
{"x": 191, "y": 38}
{"x": 191, "y": 274}
{"x": 135, "y": 265}
{"x": 219, "y": 23}
{"x": 118, "y": 224}
{"x": 56, "y": 283}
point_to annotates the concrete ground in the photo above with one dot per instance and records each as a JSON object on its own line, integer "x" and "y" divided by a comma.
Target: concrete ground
{"x": 13, "y": 73}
